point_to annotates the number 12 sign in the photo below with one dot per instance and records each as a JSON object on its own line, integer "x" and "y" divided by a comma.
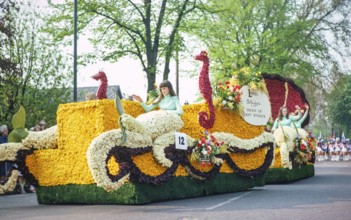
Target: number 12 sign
{"x": 181, "y": 141}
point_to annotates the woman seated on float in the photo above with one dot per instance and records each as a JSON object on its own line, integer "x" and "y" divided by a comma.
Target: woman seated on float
{"x": 284, "y": 119}
{"x": 168, "y": 100}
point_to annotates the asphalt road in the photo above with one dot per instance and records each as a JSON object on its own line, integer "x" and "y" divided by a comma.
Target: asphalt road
{"x": 327, "y": 196}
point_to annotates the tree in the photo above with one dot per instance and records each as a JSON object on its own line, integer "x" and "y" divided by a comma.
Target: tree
{"x": 8, "y": 68}
{"x": 285, "y": 37}
{"x": 145, "y": 30}
{"x": 35, "y": 74}
{"x": 339, "y": 108}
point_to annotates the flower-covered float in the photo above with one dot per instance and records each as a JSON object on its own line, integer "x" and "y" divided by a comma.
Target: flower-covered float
{"x": 295, "y": 151}
{"x": 112, "y": 152}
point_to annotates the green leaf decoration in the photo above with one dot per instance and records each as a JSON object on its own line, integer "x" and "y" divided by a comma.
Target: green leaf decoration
{"x": 19, "y": 119}
{"x": 120, "y": 111}
{"x": 123, "y": 129}
{"x": 17, "y": 135}
{"x": 118, "y": 103}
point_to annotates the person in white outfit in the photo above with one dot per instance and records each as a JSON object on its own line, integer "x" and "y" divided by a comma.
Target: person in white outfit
{"x": 337, "y": 149}
{"x": 348, "y": 146}
{"x": 319, "y": 151}
{"x": 344, "y": 151}
{"x": 331, "y": 150}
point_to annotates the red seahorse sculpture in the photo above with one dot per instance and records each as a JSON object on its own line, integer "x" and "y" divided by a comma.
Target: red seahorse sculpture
{"x": 205, "y": 120}
{"x": 101, "y": 93}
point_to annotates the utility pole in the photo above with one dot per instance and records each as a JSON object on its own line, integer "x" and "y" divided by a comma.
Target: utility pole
{"x": 177, "y": 63}
{"x": 177, "y": 71}
{"x": 75, "y": 53}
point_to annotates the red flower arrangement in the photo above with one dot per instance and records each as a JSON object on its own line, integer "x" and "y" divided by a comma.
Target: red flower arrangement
{"x": 227, "y": 95}
{"x": 303, "y": 151}
{"x": 206, "y": 147}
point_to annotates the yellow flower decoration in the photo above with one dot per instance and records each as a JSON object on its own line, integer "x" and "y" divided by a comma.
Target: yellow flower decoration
{"x": 251, "y": 160}
{"x": 79, "y": 123}
{"x": 112, "y": 166}
{"x": 148, "y": 165}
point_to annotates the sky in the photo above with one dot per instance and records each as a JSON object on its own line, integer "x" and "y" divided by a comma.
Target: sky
{"x": 129, "y": 74}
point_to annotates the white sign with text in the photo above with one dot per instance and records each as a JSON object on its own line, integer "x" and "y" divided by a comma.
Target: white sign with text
{"x": 257, "y": 108}
{"x": 181, "y": 141}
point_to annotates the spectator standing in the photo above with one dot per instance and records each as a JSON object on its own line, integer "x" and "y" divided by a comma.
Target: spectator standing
{"x": 348, "y": 146}
{"x": 42, "y": 125}
{"x": 344, "y": 151}
{"x": 325, "y": 150}
{"x": 319, "y": 151}
{"x": 5, "y": 166}
{"x": 331, "y": 150}
{"x": 336, "y": 150}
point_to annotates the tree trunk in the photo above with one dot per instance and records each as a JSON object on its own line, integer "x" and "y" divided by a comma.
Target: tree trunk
{"x": 166, "y": 70}
{"x": 151, "y": 79}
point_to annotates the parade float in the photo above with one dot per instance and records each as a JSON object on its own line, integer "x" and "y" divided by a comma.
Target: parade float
{"x": 112, "y": 152}
{"x": 295, "y": 151}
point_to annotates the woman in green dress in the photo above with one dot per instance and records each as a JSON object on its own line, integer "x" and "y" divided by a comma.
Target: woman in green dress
{"x": 298, "y": 123}
{"x": 167, "y": 100}
{"x": 284, "y": 119}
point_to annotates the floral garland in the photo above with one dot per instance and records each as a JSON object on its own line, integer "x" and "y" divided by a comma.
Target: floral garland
{"x": 93, "y": 109}
{"x": 242, "y": 144}
{"x": 8, "y": 151}
{"x": 200, "y": 175}
{"x": 18, "y": 152}
{"x": 139, "y": 177}
{"x": 124, "y": 155}
{"x": 22, "y": 165}
{"x": 158, "y": 123}
{"x": 10, "y": 184}
{"x": 286, "y": 93}
{"x": 99, "y": 152}
{"x": 284, "y": 154}
{"x": 251, "y": 173}
{"x": 165, "y": 153}
{"x": 163, "y": 142}
{"x": 131, "y": 124}
{"x": 42, "y": 139}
